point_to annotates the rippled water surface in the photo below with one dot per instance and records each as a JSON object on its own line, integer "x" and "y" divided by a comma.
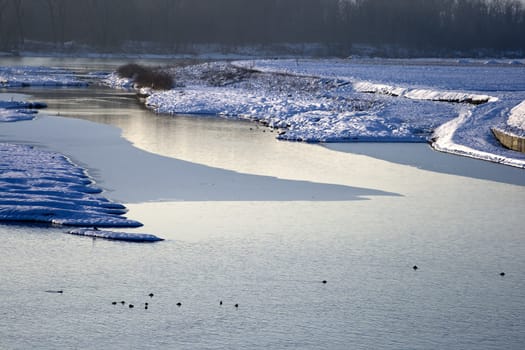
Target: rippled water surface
{"x": 461, "y": 228}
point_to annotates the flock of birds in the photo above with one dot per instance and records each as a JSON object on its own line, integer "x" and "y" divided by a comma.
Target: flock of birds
{"x": 151, "y": 295}
{"x": 179, "y": 304}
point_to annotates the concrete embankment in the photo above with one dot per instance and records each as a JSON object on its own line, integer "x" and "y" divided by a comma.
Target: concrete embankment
{"x": 509, "y": 140}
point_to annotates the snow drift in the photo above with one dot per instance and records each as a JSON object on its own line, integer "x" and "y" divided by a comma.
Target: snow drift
{"x": 517, "y": 117}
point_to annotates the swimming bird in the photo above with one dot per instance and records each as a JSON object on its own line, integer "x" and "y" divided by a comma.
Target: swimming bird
{"x": 502, "y": 274}
{"x": 114, "y": 303}
{"x": 151, "y": 295}
{"x": 415, "y": 267}
{"x": 236, "y": 305}
{"x": 122, "y": 302}
{"x": 324, "y": 281}
{"x": 179, "y": 304}
{"x": 220, "y": 302}
{"x": 131, "y": 306}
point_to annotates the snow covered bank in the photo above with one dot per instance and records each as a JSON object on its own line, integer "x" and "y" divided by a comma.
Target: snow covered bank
{"x": 303, "y": 108}
{"x": 444, "y": 141}
{"x": 25, "y": 76}
{"x": 43, "y": 186}
{"x": 12, "y": 111}
{"x": 348, "y": 101}
{"x": 113, "y": 80}
{"x": 423, "y": 94}
{"x": 517, "y": 117}
{"x": 512, "y": 135}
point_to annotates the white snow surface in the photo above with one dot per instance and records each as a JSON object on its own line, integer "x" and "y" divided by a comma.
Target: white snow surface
{"x": 335, "y": 100}
{"x": 117, "y": 236}
{"x": 113, "y": 80}
{"x": 444, "y": 142}
{"x": 423, "y": 94}
{"x": 24, "y": 76}
{"x": 13, "y": 111}
{"x": 517, "y": 116}
{"x": 46, "y": 187}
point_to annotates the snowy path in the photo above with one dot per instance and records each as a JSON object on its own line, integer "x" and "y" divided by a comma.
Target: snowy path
{"x": 444, "y": 142}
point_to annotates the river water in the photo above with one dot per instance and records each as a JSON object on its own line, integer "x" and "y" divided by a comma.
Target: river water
{"x": 252, "y": 221}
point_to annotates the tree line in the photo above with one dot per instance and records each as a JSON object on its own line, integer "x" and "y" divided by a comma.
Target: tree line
{"x": 340, "y": 25}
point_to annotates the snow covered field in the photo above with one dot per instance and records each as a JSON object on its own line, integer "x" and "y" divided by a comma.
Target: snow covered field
{"x": 454, "y": 104}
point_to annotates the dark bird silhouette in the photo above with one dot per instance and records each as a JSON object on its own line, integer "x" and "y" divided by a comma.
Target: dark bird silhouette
{"x": 415, "y": 267}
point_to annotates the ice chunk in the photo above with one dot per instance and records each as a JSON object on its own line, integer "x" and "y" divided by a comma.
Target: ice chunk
{"x": 118, "y": 236}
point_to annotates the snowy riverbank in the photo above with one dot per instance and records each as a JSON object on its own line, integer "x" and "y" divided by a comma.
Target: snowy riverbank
{"x": 25, "y": 76}
{"x": 453, "y": 104}
{"x": 42, "y": 186}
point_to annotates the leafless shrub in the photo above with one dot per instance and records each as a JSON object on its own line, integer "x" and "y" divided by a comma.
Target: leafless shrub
{"x": 146, "y": 76}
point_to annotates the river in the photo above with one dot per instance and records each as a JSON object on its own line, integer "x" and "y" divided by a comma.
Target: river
{"x": 252, "y": 221}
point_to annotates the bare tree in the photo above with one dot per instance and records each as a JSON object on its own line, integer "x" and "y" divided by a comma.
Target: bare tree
{"x": 429, "y": 26}
{"x": 19, "y": 13}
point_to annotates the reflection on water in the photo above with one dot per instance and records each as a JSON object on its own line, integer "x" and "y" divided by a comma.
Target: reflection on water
{"x": 270, "y": 258}
{"x": 133, "y": 175}
{"x": 424, "y": 157}
{"x": 243, "y": 146}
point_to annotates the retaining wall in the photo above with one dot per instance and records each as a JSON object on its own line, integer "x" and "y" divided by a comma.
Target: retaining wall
{"x": 513, "y": 142}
